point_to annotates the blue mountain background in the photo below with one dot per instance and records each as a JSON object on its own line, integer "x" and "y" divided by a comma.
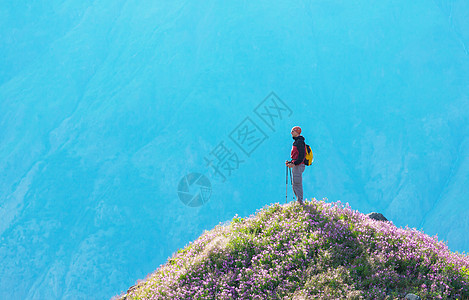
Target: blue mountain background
{"x": 109, "y": 108}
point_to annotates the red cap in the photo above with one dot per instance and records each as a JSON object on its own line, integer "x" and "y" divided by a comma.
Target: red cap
{"x": 297, "y": 129}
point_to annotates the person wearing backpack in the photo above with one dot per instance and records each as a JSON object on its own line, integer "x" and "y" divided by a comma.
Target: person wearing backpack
{"x": 301, "y": 155}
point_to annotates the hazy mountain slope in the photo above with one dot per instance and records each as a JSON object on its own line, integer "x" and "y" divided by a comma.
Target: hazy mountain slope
{"x": 106, "y": 105}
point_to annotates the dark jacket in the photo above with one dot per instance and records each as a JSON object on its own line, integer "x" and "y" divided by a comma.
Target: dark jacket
{"x": 298, "y": 150}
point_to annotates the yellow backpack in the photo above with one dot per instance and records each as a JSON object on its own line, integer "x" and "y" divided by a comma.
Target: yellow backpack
{"x": 308, "y": 156}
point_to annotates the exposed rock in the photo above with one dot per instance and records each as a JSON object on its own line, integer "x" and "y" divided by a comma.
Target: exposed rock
{"x": 377, "y": 216}
{"x": 412, "y": 297}
{"x": 132, "y": 288}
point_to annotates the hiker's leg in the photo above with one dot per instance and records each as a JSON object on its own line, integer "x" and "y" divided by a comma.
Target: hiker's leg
{"x": 298, "y": 182}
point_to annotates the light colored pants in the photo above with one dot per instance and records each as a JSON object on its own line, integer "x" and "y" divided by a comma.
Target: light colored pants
{"x": 297, "y": 180}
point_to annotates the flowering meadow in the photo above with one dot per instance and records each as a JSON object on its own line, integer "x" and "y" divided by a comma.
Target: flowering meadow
{"x": 319, "y": 251}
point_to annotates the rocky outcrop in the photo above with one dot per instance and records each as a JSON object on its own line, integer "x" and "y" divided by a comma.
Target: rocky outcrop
{"x": 377, "y": 216}
{"x": 412, "y": 297}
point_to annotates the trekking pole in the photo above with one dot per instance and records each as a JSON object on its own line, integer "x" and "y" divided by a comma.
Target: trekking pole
{"x": 286, "y": 184}
{"x": 291, "y": 176}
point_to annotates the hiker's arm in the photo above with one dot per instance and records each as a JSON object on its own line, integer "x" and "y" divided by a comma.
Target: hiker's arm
{"x": 301, "y": 154}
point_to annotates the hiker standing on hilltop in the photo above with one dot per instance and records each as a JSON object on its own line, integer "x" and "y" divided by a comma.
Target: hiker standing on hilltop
{"x": 297, "y": 155}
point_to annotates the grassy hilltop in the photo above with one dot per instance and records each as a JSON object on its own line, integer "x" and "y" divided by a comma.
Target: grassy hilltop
{"x": 320, "y": 251}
